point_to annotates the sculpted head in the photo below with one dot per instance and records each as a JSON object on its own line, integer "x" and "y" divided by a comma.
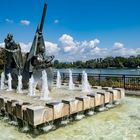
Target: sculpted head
{"x": 9, "y": 36}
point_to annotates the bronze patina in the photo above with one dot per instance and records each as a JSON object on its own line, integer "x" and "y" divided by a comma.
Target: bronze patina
{"x": 36, "y": 60}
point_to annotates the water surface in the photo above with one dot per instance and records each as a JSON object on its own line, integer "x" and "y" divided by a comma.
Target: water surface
{"x": 104, "y": 71}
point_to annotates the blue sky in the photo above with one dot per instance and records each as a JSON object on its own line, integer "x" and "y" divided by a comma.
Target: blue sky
{"x": 109, "y": 21}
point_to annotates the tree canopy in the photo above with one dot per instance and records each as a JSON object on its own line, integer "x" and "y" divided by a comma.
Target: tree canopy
{"x": 108, "y": 62}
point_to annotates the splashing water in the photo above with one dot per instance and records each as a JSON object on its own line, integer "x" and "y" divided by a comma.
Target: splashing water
{"x": 2, "y": 81}
{"x": 85, "y": 84}
{"x": 48, "y": 128}
{"x": 90, "y": 113}
{"x": 45, "y": 90}
{"x": 14, "y": 121}
{"x": 58, "y": 81}
{"x": 19, "y": 88}
{"x": 79, "y": 116}
{"x": 64, "y": 122}
{"x": 25, "y": 128}
{"x": 31, "y": 86}
{"x": 110, "y": 105}
{"x": 9, "y": 82}
{"x": 103, "y": 108}
{"x": 71, "y": 85}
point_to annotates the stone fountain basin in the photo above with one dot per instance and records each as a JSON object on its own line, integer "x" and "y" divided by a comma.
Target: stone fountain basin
{"x": 63, "y": 103}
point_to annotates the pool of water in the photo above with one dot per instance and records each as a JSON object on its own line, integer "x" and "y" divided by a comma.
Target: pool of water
{"x": 119, "y": 123}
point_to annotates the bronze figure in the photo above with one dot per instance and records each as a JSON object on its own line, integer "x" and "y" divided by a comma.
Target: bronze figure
{"x": 36, "y": 59}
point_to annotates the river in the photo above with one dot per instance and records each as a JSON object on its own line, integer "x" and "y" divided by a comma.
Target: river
{"x": 105, "y": 71}
{"x": 119, "y": 123}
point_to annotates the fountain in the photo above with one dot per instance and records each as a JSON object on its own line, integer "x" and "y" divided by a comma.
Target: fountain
{"x": 31, "y": 87}
{"x": 45, "y": 90}
{"x": 9, "y": 82}
{"x": 85, "y": 84}
{"x": 19, "y": 87}
{"x": 2, "y": 81}
{"x": 58, "y": 81}
{"x": 71, "y": 85}
{"x": 32, "y": 112}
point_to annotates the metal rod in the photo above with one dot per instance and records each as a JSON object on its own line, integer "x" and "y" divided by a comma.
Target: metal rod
{"x": 43, "y": 17}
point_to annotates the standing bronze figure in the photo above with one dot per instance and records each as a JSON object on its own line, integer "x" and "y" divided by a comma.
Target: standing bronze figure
{"x": 14, "y": 62}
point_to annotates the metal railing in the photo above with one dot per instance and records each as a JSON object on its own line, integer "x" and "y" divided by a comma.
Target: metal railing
{"x": 129, "y": 82}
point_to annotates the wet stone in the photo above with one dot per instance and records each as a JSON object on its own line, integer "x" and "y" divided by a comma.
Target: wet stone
{"x": 85, "y": 100}
{"x": 74, "y": 105}
{"x": 37, "y": 115}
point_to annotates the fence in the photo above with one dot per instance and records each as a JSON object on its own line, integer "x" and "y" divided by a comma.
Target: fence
{"x": 129, "y": 82}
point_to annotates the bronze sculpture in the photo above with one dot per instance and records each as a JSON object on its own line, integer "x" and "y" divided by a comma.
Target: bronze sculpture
{"x": 13, "y": 56}
{"x": 36, "y": 59}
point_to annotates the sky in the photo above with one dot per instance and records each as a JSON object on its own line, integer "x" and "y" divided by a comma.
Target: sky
{"x": 75, "y": 29}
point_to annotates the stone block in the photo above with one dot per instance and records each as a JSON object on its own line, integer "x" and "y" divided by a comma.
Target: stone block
{"x": 121, "y": 91}
{"x": 115, "y": 94}
{"x": 3, "y": 102}
{"x": 66, "y": 110}
{"x": 85, "y": 101}
{"x": 19, "y": 109}
{"x": 75, "y": 105}
{"x": 59, "y": 109}
{"x": 106, "y": 95}
{"x": 92, "y": 100}
{"x": 36, "y": 115}
{"x": 11, "y": 107}
{"x": 99, "y": 99}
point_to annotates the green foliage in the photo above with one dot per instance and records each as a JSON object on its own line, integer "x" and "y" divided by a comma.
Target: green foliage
{"x": 92, "y": 81}
{"x": 108, "y": 62}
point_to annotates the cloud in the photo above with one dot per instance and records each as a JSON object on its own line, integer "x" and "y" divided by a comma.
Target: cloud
{"x": 51, "y": 48}
{"x": 119, "y": 49}
{"x": 117, "y": 46}
{"x": 56, "y": 21}
{"x": 78, "y": 50}
{"x": 25, "y": 47}
{"x": 85, "y": 50}
{"x": 2, "y": 45}
{"x": 69, "y": 49}
{"x": 94, "y": 43}
{"x": 9, "y": 20}
{"x": 67, "y": 42}
{"x": 66, "y": 39}
{"x": 25, "y": 22}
